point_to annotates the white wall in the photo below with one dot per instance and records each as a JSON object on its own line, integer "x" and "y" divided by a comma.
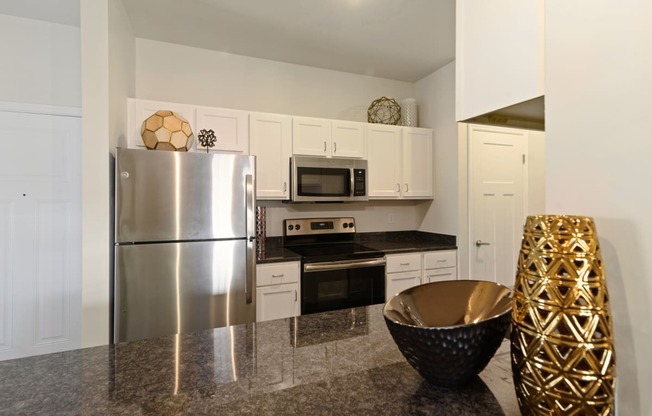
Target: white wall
{"x": 598, "y": 148}
{"x": 169, "y": 72}
{"x": 96, "y": 218}
{"x": 499, "y": 54}
{"x": 436, "y": 107}
{"x": 122, "y": 72}
{"x": 40, "y": 62}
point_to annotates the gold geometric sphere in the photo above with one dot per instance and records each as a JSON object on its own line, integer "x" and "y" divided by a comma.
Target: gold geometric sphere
{"x": 167, "y": 130}
{"x": 384, "y": 110}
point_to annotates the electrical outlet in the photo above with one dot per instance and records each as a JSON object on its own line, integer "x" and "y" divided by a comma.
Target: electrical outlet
{"x": 390, "y": 218}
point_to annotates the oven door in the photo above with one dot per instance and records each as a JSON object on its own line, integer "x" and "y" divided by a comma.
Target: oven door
{"x": 332, "y": 285}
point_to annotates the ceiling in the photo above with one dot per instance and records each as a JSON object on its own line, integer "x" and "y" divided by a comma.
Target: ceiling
{"x": 397, "y": 39}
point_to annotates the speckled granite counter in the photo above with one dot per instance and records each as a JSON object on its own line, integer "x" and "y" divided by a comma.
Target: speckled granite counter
{"x": 388, "y": 242}
{"x": 335, "y": 363}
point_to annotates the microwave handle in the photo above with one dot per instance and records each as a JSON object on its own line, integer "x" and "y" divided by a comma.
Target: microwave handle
{"x": 352, "y": 180}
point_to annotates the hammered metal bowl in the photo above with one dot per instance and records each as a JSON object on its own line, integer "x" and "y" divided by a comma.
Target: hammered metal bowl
{"x": 448, "y": 331}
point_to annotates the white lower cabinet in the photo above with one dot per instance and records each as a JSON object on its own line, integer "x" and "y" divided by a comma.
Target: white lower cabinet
{"x": 439, "y": 265}
{"x": 403, "y": 272}
{"x": 277, "y": 291}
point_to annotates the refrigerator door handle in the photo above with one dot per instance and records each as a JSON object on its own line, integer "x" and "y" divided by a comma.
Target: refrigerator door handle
{"x": 251, "y": 239}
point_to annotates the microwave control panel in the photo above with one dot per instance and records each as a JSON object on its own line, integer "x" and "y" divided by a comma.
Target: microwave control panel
{"x": 359, "y": 182}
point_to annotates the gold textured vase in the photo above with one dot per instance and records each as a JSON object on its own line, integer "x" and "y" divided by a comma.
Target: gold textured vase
{"x": 562, "y": 350}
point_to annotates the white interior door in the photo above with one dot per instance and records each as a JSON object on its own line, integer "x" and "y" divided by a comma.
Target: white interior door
{"x": 497, "y": 201}
{"x": 40, "y": 232}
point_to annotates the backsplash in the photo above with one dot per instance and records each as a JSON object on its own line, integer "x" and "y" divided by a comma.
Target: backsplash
{"x": 370, "y": 216}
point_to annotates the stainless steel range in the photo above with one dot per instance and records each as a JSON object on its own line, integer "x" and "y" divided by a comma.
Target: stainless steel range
{"x": 336, "y": 272}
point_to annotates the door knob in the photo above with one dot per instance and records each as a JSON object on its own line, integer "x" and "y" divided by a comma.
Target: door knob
{"x": 479, "y": 243}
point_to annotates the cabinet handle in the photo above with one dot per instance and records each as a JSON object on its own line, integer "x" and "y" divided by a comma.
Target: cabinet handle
{"x": 285, "y": 187}
{"x": 334, "y": 147}
{"x": 398, "y": 187}
{"x": 406, "y": 188}
{"x": 295, "y": 295}
{"x": 404, "y": 278}
{"x": 278, "y": 275}
{"x": 324, "y": 147}
{"x": 405, "y": 264}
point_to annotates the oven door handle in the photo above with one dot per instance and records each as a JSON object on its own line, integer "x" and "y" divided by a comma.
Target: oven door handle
{"x": 342, "y": 264}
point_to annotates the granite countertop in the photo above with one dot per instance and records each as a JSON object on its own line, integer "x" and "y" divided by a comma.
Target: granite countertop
{"x": 334, "y": 363}
{"x": 389, "y": 242}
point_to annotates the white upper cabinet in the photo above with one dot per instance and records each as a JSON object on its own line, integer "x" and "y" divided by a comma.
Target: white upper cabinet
{"x": 140, "y": 110}
{"x": 499, "y": 54}
{"x": 270, "y": 140}
{"x": 400, "y": 162}
{"x": 231, "y": 128}
{"x": 349, "y": 139}
{"x": 311, "y": 136}
{"x": 328, "y": 138}
{"x": 384, "y": 161}
{"x": 417, "y": 163}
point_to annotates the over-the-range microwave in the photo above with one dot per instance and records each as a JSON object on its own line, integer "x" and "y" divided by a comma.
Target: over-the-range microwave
{"x": 316, "y": 179}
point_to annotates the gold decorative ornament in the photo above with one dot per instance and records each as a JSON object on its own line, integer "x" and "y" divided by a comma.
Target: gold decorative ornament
{"x": 166, "y": 130}
{"x": 384, "y": 110}
{"x": 563, "y": 359}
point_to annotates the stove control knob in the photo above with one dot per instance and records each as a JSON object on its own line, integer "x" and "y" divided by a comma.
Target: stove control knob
{"x": 290, "y": 227}
{"x": 346, "y": 225}
{"x": 350, "y": 225}
{"x": 298, "y": 227}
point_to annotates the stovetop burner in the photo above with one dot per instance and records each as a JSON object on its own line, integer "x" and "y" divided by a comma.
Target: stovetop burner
{"x": 334, "y": 252}
{"x": 325, "y": 239}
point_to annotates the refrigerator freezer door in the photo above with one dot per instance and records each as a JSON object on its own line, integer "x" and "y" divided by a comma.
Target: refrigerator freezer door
{"x": 171, "y": 196}
{"x": 171, "y": 288}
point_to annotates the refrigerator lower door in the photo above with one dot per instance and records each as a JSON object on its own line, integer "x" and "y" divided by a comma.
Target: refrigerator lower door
{"x": 170, "y": 288}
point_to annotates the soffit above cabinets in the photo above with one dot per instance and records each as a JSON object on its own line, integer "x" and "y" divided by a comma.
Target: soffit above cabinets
{"x": 64, "y": 12}
{"x": 402, "y": 40}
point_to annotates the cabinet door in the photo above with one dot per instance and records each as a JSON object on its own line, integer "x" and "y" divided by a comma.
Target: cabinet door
{"x": 231, "y": 128}
{"x": 348, "y": 139}
{"x": 311, "y": 136}
{"x": 140, "y": 110}
{"x": 438, "y": 275}
{"x": 397, "y": 282}
{"x": 270, "y": 140}
{"x": 277, "y": 301}
{"x": 417, "y": 163}
{"x": 384, "y": 150}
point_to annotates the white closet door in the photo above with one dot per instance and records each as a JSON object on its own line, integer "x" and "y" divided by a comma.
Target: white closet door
{"x": 497, "y": 201}
{"x": 40, "y": 232}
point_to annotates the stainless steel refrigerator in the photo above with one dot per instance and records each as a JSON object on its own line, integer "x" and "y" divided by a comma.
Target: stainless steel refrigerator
{"x": 184, "y": 242}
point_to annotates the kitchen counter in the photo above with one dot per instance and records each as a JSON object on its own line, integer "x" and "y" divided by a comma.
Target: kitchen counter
{"x": 388, "y": 242}
{"x": 340, "y": 363}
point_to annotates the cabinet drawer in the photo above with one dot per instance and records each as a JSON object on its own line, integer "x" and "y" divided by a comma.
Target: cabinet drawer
{"x": 403, "y": 262}
{"x": 277, "y": 273}
{"x": 440, "y": 259}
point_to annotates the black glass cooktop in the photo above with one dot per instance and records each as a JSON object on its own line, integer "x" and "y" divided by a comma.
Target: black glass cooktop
{"x": 334, "y": 252}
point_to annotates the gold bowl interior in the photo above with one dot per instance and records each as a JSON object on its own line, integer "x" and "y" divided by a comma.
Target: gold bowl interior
{"x": 450, "y": 303}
